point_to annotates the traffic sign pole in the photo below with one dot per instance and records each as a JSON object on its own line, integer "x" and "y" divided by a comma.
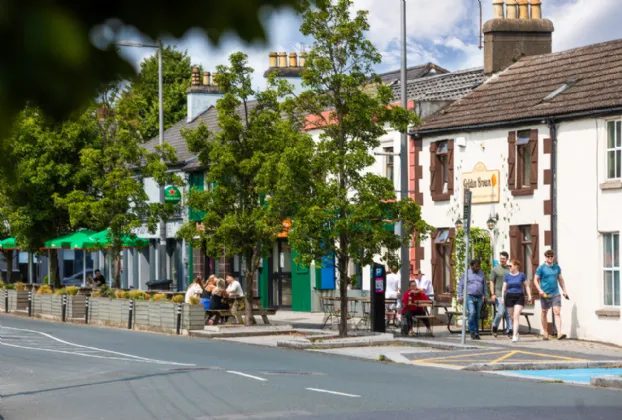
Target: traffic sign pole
{"x": 467, "y": 237}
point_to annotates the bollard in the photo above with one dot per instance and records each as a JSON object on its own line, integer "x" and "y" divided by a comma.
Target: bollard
{"x": 30, "y": 303}
{"x": 6, "y": 301}
{"x": 64, "y": 309}
{"x": 178, "y": 318}
{"x": 129, "y": 318}
{"x": 86, "y": 311}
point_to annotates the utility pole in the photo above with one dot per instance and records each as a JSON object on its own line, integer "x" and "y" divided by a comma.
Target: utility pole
{"x": 162, "y": 250}
{"x": 467, "y": 253}
{"x": 404, "y": 254}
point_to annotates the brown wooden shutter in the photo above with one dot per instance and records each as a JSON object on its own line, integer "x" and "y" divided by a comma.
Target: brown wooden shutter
{"x": 535, "y": 255}
{"x": 436, "y": 263}
{"x": 452, "y": 241}
{"x": 450, "y": 166}
{"x": 512, "y": 160}
{"x": 515, "y": 244}
{"x": 533, "y": 146}
{"x": 433, "y": 166}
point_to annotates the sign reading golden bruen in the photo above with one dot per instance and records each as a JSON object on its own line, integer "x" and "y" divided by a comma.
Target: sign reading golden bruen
{"x": 484, "y": 184}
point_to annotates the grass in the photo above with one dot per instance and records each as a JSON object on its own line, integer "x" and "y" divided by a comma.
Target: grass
{"x": 554, "y": 381}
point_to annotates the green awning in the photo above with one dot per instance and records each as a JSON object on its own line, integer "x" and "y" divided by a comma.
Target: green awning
{"x": 102, "y": 239}
{"x": 8, "y": 244}
{"x": 65, "y": 241}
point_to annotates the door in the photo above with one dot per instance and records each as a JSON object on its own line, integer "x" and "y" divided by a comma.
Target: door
{"x": 280, "y": 285}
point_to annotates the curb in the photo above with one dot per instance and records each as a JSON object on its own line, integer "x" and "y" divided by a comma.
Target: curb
{"x": 371, "y": 342}
{"x": 437, "y": 344}
{"x": 231, "y": 333}
{"x": 607, "y": 381}
{"x": 479, "y": 367}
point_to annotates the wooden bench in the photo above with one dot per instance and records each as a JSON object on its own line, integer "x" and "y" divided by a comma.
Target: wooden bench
{"x": 225, "y": 313}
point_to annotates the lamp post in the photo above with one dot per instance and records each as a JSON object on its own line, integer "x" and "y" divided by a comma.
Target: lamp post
{"x": 459, "y": 224}
{"x": 161, "y": 265}
{"x": 404, "y": 257}
{"x": 492, "y": 223}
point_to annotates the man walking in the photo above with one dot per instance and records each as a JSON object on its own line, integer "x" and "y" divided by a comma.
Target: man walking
{"x": 548, "y": 278}
{"x": 496, "y": 286}
{"x": 476, "y": 295}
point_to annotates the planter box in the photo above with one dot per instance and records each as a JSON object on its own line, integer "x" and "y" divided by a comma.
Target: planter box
{"x": 52, "y": 306}
{"x": 106, "y": 311}
{"x": 18, "y": 301}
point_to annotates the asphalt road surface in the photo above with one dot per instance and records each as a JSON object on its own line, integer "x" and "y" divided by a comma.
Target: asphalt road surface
{"x": 55, "y": 371}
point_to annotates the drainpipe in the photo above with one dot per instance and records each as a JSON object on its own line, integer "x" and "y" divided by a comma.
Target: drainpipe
{"x": 553, "y": 135}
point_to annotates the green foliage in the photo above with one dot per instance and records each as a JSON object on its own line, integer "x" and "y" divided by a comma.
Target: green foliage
{"x": 159, "y": 297}
{"x": 9, "y": 287}
{"x": 176, "y": 78}
{"x": 255, "y": 149}
{"x": 178, "y": 299}
{"x": 61, "y": 51}
{"x": 136, "y": 295}
{"x": 46, "y": 280}
{"x": 1, "y": 284}
{"x": 480, "y": 247}
{"x": 72, "y": 290}
{"x": 44, "y": 290}
{"x": 342, "y": 210}
{"x": 195, "y": 300}
{"x": 61, "y": 292}
{"x": 20, "y": 286}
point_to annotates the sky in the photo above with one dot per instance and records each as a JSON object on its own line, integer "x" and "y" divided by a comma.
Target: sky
{"x": 444, "y": 32}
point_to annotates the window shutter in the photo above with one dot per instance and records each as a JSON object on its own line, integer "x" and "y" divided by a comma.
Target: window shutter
{"x": 512, "y": 160}
{"x": 433, "y": 167}
{"x": 450, "y": 166}
{"x": 533, "y": 145}
{"x": 515, "y": 244}
{"x": 436, "y": 276}
{"x": 535, "y": 255}
{"x": 452, "y": 239}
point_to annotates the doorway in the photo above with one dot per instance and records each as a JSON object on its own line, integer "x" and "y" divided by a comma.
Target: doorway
{"x": 280, "y": 281}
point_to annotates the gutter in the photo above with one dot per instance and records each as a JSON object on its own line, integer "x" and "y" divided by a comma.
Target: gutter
{"x": 508, "y": 123}
{"x": 553, "y": 135}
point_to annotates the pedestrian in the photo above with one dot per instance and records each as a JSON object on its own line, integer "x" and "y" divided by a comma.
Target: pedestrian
{"x": 425, "y": 284}
{"x": 476, "y": 295}
{"x": 393, "y": 292}
{"x": 497, "y": 276}
{"x": 194, "y": 289}
{"x": 99, "y": 279}
{"x": 547, "y": 280}
{"x": 411, "y": 310}
{"x": 515, "y": 286}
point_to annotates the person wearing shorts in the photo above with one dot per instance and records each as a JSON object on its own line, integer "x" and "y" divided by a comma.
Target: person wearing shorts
{"x": 548, "y": 279}
{"x": 515, "y": 287}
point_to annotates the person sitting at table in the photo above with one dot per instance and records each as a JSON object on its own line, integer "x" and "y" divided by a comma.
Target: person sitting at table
{"x": 216, "y": 303}
{"x": 195, "y": 289}
{"x": 410, "y": 310}
{"x": 234, "y": 289}
{"x": 210, "y": 285}
{"x": 425, "y": 284}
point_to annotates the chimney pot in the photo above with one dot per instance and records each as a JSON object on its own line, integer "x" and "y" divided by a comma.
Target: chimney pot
{"x": 282, "y": 59}
{"x": 512, "y": 9}
{"x": 273, "y": 59}
{"x": 302, "y": 59}
{"x": 293, "y": 59}
{"x": 196, "y": 77}
{"x": 536, "y": 9}
{"x": 498, "y": 9}
{"x": 206, "y": 78}
{"x": 214, "y": 79}
{"x": 523, "y": 9}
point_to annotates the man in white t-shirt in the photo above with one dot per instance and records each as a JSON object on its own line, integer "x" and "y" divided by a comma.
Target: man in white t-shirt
{"x": 234, "y": 289}
{"x": 424, "y": 284}
{"x": 393, "y": 292}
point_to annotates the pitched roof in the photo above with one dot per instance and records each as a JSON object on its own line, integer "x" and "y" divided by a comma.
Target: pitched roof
{"x": 586, "y": 79}
{"x": 415, "y": 72}
{"x": 442, "y": 87}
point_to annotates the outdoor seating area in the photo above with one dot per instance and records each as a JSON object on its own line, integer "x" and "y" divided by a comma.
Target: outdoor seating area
{"x": 237, "y": 312}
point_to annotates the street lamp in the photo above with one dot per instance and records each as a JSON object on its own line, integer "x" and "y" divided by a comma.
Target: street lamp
{"x": 492, "y": 222}
{"x": 459, "y": 224}
{"x": 161, "y": 266}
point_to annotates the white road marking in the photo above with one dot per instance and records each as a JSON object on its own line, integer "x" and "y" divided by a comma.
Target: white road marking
{"x": 333, "y": 392}
{"x": 83, "y": 349}
{"x": 246, "y": 375}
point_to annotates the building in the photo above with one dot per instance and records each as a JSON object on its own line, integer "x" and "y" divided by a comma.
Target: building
{"x": 538, "y": 144}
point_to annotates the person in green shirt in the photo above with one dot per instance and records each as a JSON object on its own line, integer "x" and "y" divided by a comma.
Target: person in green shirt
{"x": 496, "y": 286}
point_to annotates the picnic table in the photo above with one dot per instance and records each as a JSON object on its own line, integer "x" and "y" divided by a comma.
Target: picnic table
{"x": 237, "y": 310}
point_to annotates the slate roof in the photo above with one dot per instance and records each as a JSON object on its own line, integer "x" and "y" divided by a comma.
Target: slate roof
{"x": 415, "y": 72}
{"x": 442, "y": 87}
{"x": 593, "y": 78}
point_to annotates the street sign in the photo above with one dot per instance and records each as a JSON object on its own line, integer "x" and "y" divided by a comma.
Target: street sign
{"x": 172, "y": 195}
{"x": 467, "y": 206}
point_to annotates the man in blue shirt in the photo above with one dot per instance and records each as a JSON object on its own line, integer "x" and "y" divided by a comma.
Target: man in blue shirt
{"x": 548, "y": 278}
{"x": 476, "y": 296}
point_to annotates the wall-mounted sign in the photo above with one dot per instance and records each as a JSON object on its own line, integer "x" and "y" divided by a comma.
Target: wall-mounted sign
{"x": 483, "y": 183}
{"x": 172, "y": 194}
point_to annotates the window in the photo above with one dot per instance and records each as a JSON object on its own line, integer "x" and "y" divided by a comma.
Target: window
{"x": 524, "y": 246}
{"x": 388, "y": 169}
{"x": 523, "y": 162}
{"x": 442, "y": 275}
{"x": 442, "y": 170}
{"x": 611, "y": 268}
{"x": 614, "y": 150}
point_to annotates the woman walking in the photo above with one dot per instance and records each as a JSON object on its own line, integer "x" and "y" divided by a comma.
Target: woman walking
{"x": 515, "y": 286}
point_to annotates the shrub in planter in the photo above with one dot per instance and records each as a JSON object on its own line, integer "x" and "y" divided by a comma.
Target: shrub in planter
{"x": 96, "y": 293}
{"x": 44, "y": 290}
{"x": 136, "y": 295}
{"x": 1, "y": 284}
{"x": 61, "y": 292}
{"x": 195, "y": 300}
{"x": 9, "y": 286}
{"x": 72, "y": 290}
{"x": 20, "y": 287}
{"x": 121, "y": 294}
{"x": 159, "y": 297}
{"x": 178, "y": 299}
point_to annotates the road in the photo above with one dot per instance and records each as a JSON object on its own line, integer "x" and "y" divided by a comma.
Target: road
{"x": 62, "y": 371}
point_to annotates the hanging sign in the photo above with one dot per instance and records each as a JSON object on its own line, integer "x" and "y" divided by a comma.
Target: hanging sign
{"x": 172, "y": 195}
{"x": 483, "y": 183}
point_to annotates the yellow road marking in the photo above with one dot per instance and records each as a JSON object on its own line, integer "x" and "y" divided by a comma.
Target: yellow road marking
{"x": 465, "y": 355}
{"x": 507, "y": 356}
{"x": 552, "y": 356}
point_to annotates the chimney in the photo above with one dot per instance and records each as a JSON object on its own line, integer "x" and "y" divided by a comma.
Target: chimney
{"x": 202, "y": 96}
{"x": 282, "y": 59}
{"x": 302, "y": 59}
{"x": 508, "y": 39}
{"x": 279, "y": 64}
{"x": 273, "y": 60}
{"x": 293, "y": 60}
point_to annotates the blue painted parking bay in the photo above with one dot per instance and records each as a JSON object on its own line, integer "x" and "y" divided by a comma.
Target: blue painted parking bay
{"x": 567, "y": 375}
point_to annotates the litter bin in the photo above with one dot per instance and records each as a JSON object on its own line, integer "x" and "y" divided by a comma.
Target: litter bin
{"x": 159, "y": 285}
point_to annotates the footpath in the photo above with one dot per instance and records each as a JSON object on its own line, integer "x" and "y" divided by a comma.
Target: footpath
{"x": 555, "y": 361}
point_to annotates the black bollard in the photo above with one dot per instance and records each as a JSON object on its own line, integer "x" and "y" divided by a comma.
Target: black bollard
{"x": 86, "y": 311}
{"x": 178, "y": 318}
{"x": 64, "y": 308}
{"x": 30, "y": 303}
{"x": 6, "y": 301}
{"x": 129, "y": 318}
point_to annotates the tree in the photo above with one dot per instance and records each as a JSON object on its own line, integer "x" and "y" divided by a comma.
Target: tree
{"x": 246, "y": 156}
{"x": 42, "y": 157}
{"x": 114, "y": 162}
{"x": 346, "y": 211}
{"x": 61, "y": 52}
{"x": 176, "y": 78}
{"x": 5, "y": 232}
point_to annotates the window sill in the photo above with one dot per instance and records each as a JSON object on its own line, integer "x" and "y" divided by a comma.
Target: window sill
{"x": 523, "y": 191}
{"x": 441, "y": 197}
{"x": 612, "y": 184}
{"x": 608, "y": 313}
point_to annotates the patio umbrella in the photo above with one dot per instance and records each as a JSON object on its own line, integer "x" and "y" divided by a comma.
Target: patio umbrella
{"x": 9, "y": 244}
{"x": 102, "y": 240}
{"x": 65, "y": 242}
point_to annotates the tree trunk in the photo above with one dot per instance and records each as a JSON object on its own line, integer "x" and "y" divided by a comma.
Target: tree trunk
{"x": 343, "y": 289}
{"x": 249, "y": 276}
{"x": 116, "y": 268}
{"x": 8, "y": 256}
{"x": 54, "y": 275}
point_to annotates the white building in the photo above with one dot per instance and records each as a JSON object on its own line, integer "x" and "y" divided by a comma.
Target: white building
{"x": 539, "y": 145}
